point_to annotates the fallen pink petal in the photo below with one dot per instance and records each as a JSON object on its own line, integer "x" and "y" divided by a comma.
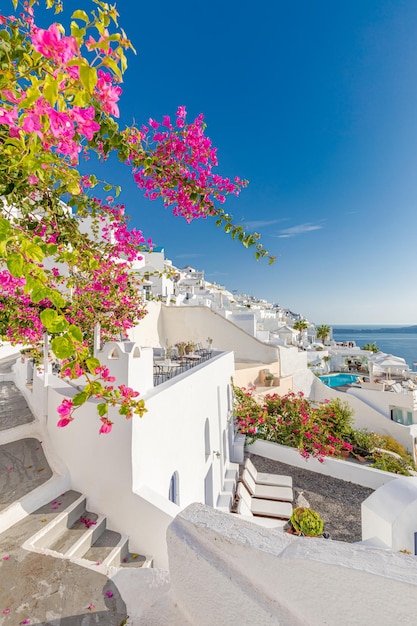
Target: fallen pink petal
{"x": 9, "y": 468}
{"x": 6, "y": 558}
{"x": 6, "y": 611}
{"x": 109, "y": 593}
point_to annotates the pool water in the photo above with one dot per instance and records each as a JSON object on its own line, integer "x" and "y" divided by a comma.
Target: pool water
{"x": 337, "y": 380}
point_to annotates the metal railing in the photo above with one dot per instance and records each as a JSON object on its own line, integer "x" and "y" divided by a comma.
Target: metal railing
{"x": 164, "y": 370}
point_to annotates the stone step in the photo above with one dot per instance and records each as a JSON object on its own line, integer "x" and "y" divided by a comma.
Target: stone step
{"x": 79, "y": 534}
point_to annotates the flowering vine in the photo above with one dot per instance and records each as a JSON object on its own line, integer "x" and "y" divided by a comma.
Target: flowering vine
{"x": 294, "y": 421}
{"x": 59, "y": 101}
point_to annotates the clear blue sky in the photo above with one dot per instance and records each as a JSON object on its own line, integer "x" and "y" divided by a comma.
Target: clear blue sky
{"x": 316, "y": 104}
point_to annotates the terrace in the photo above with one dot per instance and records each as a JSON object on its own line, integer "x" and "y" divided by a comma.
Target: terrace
{"x": 166, "y": 368}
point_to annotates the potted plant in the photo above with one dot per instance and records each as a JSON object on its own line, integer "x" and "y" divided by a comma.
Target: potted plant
{"x": 306, "y": 522}
{"x": 269, "y": 379}
{"x": 189, "y": 347}
{"x": 181, "y": 348}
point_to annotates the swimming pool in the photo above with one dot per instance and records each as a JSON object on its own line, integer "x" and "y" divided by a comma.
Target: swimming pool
{"x": 337, "y": 380}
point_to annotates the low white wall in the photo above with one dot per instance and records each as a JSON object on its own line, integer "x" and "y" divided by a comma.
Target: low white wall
{"x": 239, "y": 573}
{"x": 351, "y": 472}
{"x": 292, "y": 360}
{"x": 365, "y": 416}
{"x": 181, "y": 323}
{"x": 150, "y": 331}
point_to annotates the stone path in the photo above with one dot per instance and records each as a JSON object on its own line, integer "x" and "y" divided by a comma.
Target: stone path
{"x": 14, "y": 410}
{"x": 23, "y": 467}
{"x": 337, "y": 501}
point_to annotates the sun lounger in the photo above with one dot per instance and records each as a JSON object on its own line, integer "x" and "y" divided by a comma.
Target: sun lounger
{"x": 268, "y": 492}
{"x": 243, "y": 510}
{"x": 262, "y": 478}
{"x": 265, "y": 508}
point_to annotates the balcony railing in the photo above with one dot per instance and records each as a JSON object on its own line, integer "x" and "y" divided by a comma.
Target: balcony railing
{"x": 165, "y": 369}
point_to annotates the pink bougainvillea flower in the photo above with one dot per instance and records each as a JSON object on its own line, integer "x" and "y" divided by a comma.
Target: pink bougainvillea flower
{"x": 109, "y": 593}
{"x": 64, "y": 421}
{"x": 91, "y": 607}
{"x": 51, "y": 44}
{"x": 106, "y": 426}
{"x": 65, "y": 408}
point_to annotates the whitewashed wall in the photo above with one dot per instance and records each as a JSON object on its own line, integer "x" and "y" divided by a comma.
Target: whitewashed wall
{"x": 239, "y": 573}
{"x": 337, "y": 468}
{"x": 292, "y": 360}
{"x": 171, "y": 436}
{"x": 389, "y": 514}
{"x": 174, "y": 324}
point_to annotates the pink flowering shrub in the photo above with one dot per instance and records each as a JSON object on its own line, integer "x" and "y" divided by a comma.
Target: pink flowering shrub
{"x": 59, "y": 100}
{"x": 292, "y": 420}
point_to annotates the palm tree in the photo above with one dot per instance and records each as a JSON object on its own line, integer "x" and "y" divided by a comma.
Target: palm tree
{"x": 322, "y": 332}
{"x": 301, "y": 325}
{"x": 372, "y": 347}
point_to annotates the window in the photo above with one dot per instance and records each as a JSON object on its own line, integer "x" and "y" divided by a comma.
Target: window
{"x": 173, "y": 493}
{"x": 207, "y": 446}
{"x": 402, "y": 416}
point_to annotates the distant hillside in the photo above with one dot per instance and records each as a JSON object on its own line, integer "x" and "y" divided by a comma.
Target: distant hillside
{"x": 404, "y": 330}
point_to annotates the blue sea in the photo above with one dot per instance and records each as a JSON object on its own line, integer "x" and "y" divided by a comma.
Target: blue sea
{"x": 398, "y": 340}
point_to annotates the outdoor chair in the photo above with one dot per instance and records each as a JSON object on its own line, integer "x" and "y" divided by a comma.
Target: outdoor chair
{"x": 267, "y": 492}
{"x": 262, "y": 478}
{"x": 265, "y": 508}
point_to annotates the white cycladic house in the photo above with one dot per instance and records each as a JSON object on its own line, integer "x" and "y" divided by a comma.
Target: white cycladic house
{"x": 147, "y": 469}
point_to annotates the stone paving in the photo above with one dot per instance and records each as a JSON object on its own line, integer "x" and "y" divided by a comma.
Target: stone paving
{"x": 37, "y": 589}
{"x": 51, "y": 591}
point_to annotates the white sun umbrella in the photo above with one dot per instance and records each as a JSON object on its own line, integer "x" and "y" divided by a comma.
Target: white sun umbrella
{"x": 390, "y": 363}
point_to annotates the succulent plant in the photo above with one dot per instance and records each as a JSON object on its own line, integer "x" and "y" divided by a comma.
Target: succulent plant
{"x": 307, "y": 521}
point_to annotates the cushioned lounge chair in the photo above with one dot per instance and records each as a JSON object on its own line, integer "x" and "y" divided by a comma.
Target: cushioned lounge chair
{"x": 265, "y": 508}
{"x": 262, "y": 478}
{"x": 268, "y": 492}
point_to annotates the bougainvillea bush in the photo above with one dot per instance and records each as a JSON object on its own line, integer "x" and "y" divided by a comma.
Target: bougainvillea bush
{"x": 59, "y": 103}
{"x": 293, "y": 420}
{"x": 316, "y": 429}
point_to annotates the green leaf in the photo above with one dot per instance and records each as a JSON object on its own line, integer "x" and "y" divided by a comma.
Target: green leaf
{"x": 56, "y": 298}
{"x": 5, "y": 229}
{"x": 48, "y": 317}
{"x": 92, "y": 364}
{"x": 59, "y": 325}
{"x": 80, "y": 398}
{"x": 88, "y": 77}
{"x": 39, "y": 293}
{"x": 50, "y": 91}
{"x": 33, "y": 251}
{"x": 53, "y": 322}
{"x": 102, "y": 409}
{"x": 15, "y": 264}
{"x": 80, "y": 15}
{"x": 62, "y": 347}
{"x": 75, "y": 333}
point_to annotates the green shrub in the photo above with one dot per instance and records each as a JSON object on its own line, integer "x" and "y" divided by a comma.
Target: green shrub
{"x": 307, "y": 521}
{"x": 389, "y": 463}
